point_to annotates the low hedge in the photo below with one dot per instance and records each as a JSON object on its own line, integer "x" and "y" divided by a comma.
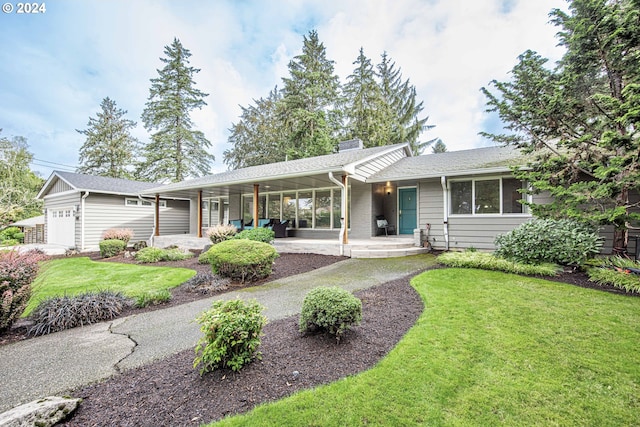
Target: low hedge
{"x": 112, "y": 247}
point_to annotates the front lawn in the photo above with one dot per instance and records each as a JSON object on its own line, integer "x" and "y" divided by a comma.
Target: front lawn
{"x": 490, "y": 349}
{"x": 72, "y": 276}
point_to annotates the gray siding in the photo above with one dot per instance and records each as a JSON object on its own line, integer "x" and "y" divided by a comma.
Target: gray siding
{"x": 362, "y": 215}
{"x": 60, "y": 186}
{"x": 103, "y": 212}
{"x": 464, "y": 231}
{"x": 62, "y": 201}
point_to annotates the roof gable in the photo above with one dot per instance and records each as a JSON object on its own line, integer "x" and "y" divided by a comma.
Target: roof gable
{"x": 97, "y": 184}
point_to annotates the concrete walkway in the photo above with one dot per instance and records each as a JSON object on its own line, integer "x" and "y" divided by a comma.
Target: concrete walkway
{"x": 60, "y": 362}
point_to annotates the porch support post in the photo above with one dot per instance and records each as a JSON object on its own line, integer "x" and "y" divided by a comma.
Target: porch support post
{"x": 345, "y": 208}
{"x": 199, "y": 213}
{"x": 157, "y": 215}
{"x": 220, "y": 210}
{"x": 255, "y": 205}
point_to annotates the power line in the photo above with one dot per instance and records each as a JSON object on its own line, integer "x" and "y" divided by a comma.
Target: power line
{"x": 53, "y": 163}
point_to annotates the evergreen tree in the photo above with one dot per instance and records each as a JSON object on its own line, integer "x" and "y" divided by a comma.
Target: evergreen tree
{"x": 580, "y": 121}
{"x": 400, "y": 97}
{"x": 258, "y": 138}
{"x": 109, "y": 149}
{"x": 18, "y": 184}
{"x": 176, "y": 151}
{"x": 439, "y": 147}
{"x": 367, "y": 115}
{"x": 310, "y": 96}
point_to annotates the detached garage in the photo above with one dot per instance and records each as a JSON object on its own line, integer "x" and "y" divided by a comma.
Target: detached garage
{"x": 79, "y": 208}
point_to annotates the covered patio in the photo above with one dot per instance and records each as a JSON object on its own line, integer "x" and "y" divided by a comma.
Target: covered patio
{"x": 326, "y": 200}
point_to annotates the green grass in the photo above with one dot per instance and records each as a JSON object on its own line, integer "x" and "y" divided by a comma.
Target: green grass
{"x": 489, "y": 349}
{"x": 72, "y": 276}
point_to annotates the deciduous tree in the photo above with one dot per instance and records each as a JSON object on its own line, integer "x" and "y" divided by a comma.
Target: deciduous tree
{"x": 19, "y": 185}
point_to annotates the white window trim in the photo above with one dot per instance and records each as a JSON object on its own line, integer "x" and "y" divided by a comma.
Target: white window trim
{"x": 281, "y": 194}
{"x": 527, "y": 197}
{"x": 131, "y": 202}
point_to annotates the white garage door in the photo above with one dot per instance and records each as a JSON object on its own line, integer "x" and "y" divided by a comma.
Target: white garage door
{"x": 61, "y": 227}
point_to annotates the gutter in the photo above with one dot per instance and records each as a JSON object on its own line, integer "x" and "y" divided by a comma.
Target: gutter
{"x": 445, "y": 212}
{"x": 86, "y": 194}
{"x": 343, "y": 203}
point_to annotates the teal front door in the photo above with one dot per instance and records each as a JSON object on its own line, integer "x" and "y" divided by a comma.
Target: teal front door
{"x": 407, "y": 210}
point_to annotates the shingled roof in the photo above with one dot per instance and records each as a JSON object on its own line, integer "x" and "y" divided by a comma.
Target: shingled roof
{"x": 342, "y": 161}
{"x": 452, "y": 163}
{"x": 97, "y": 184}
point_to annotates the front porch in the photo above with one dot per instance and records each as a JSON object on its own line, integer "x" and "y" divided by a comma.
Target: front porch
{"x": 374, "y": 247}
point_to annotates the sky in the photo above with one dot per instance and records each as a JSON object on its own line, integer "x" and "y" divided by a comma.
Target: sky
{"x": 58, "y": 65}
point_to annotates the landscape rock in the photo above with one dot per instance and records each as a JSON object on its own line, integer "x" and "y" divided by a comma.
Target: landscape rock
{"x": 39, "y": 413}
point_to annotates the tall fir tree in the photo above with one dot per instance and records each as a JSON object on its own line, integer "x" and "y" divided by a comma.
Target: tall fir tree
{"x": 258, "y": 137}
{"x": 401, "y": 99}
{"x": 438, "y": 147}
{"x": 580, "y": 121}
{"x": 19, "y": 185}
{"x": 309, "y": 98}
{"x": 176, "y": 150}
{"x": 109, "y": 149}
{"x": 367, "y": 115}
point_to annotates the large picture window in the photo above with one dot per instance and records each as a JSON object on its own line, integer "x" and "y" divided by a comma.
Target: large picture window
{"x": 318, "y": 209}
{"x": 486, "y": 196}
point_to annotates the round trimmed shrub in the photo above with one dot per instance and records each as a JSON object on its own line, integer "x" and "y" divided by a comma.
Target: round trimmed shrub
{"x": 242, "y": 259}
{"x": 330, "y": 309}
{"x": 112, "y": 247}
{"x": 564, "y": 242}
{"x": 265, "y": 235}
{"x": 232, "y": 331}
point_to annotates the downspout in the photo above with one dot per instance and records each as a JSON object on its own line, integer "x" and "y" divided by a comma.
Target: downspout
{"x": 445, "y": 210}
{"x": 86, "y": 194}
{"x": 343, "y": 205}
{"x": 153, "y": 229}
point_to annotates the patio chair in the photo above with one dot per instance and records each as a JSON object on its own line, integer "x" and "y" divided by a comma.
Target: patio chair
{"x": 383, "y": 224}
{"x": 280, "y": 228}
{"x": 237, "y": 223}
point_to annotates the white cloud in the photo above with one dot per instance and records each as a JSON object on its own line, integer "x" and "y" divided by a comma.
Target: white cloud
{"x": 56, "y": 69}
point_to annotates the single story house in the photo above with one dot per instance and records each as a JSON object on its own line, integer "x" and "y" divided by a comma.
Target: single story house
{"x": 458, "y": 199}
{"x": 79, "y": 208}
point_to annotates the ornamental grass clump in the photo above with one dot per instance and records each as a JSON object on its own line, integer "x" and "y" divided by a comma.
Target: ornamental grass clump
{"x": 242, "y": 259}
{"x": 221, "y": 232}
{"x": 60, "y": 313}
{"x": 232, "y": 331}
{"x": 124, "y": 234}
{"x": 17, "y": 272}
{"x": 330, "y": 309}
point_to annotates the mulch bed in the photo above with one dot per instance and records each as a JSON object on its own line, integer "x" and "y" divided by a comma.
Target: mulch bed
{"x": 171, "y": 391}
